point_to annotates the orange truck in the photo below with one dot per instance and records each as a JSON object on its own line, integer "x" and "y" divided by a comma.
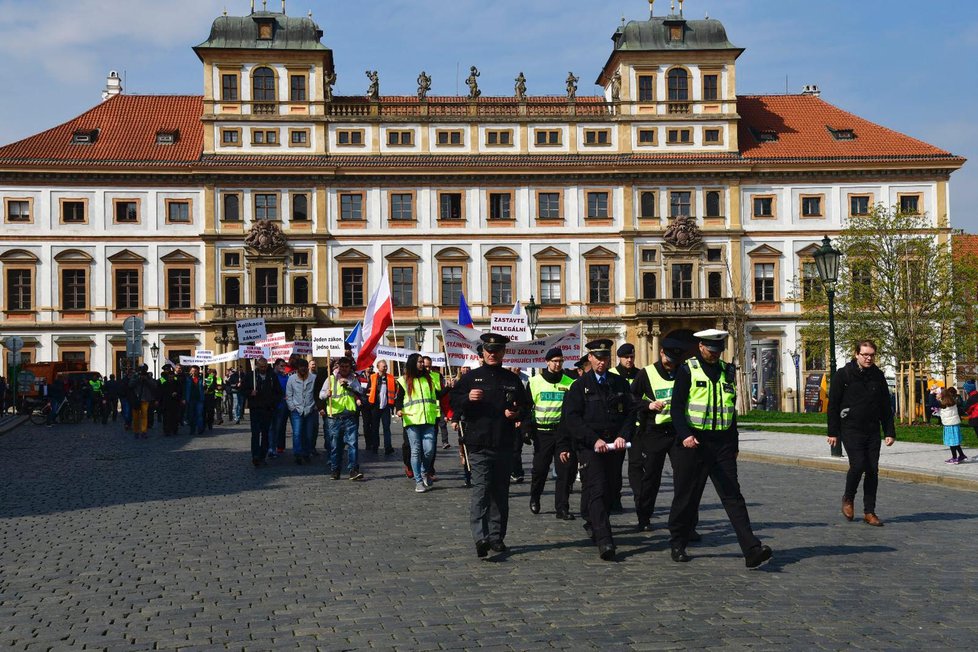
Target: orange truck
{"x": 45, "y": 373}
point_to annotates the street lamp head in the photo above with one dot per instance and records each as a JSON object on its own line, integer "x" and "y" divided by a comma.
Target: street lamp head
{"x": 154, "y": 350}
{"x": 532, "y": 314}
{"x": 827, "y": 262}
{"x": 419, "y": 334}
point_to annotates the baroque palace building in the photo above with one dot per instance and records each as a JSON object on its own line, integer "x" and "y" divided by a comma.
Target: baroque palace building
{"x": 668, "y": 202}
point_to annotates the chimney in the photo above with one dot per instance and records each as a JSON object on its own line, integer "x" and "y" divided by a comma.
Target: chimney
{"x": 113, "y": 86}
{"x": 812, "y": 89}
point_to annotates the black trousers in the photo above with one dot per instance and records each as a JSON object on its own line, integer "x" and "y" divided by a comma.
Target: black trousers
{"x": 597, "y": 491}
{"x": 371, "y": 438}
{"x": 489, "y": 509}
{"x": 545, "y": 453}
{"x": 715, "y": 458}
{"x": 863, "y": 449}
{"x": 517, "y": 464}
{"x": 646, "y": 459}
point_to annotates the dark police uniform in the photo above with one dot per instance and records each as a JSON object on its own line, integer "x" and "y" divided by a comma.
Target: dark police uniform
{"x": 703, "y": 406}
{"x": 629, "y": 374}
{"x": 489, "y": 438}
{"x": 596, "y": 410}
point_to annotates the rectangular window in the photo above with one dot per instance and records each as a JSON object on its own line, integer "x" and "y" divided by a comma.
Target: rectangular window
{"x": 599, "y": 283}
{"x": 714, "y": 285}
{"x": 649, "y": 255}
{"x": 450, "y": 206}
{"x": 179, "y": 294}
{"x": 126, "y": 289}
{"x": 714, "y": 204}
{"x": 351, "y": 206}
{"x": 680, "y": 204}
{"x": 449, "y": 137}
{"x": 229, "y": 88}
{"x": 266, "y": 206}
{"x": 400, "y": 138}
{"x": 646, "y": 136}
{"x": 714, "y": 254}
{"x": 20, "y": 289}
{"x": 451, "y": 285}
{"x": 300, "y": 207}
{"x": 550, "y": 284}
{"x": 500, "y": 206}
{"x": 764, "y": 282}
{"x": 266, "y": 286}
{"x": 232, "y": 260}
{"x": 74, "y": 289}
{"x": 548, "y": 206}
{"x": 177, "y": 211}
{"x": 711, "y": 136}
{"x": 682, "y": 281}
{"x": 909, "y": 204}
{"x": 646, "y": 88}
{"x": 811, "y": 285}
{"x": 231, "y": 207}
{"x": 647, "y": 205}
{"x": 297, "y": 88}
{"x": 597, "y": 205}
{"x": 300, "y": 259}
{"x": 352, "y": 284}
{"x": 499, "y": 137}
{"x": 547, "y": 137}
{"x": 402, "y": 206}
{"x": 73, "y": 212}
{"x": 862, "y": 283}
{"x": 763, "y": 207}
{"x": 299, "y": 137}
{"x": 349, "y": 137}
{"x": 679, "y": 136}
{"x": 650, "y": 285}
{"x": 811, "y": 206}
{"x": 711, "y": 87}
{"x": 231, "y": 136}
{"x": 597, "y": 136}
{"x": 859, "y": 205}
{"x": 126, "y": 210}
{"x": 501, "y": 285}
{"x": 402, "y": 287}
{"x": 18, "y": 210}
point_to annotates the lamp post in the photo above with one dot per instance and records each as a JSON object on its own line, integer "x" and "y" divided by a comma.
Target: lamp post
{"x": 827, "y": 263}
{"x": 419, "y": 333}
{"x": 796, "y": 358}
{"x": 532, "y": 316}
{"x": 154, "y": 351}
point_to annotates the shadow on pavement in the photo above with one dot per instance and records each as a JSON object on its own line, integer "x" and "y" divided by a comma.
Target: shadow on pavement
{"x": 787, "y": 556}
{"x": 931, "y": 516}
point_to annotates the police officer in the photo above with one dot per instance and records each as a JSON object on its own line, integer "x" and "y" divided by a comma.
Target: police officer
{"x": 626, "y": 369}
{"x": 491, "y": 401}
{"x": 704, "y": 413}
{"x": 547, "y": 391}
{"x": 655, "y": 436}
{"x": 598, "y": 412}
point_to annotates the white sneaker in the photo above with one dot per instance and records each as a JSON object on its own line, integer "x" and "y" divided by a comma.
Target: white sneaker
{"x": 420, "y": 488}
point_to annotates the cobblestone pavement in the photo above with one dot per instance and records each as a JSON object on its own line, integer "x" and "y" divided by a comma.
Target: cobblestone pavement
{"x": 178, "y": 543}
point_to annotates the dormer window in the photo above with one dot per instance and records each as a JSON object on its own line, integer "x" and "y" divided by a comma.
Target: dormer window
{"x": 676, "y": 33}
{"x": 266, "y": 28}
{"x": 842, "y": 134}
{"x": 167, "y": 137}
{"x": 765, "y": 135}
{"x": 84, "y": 137}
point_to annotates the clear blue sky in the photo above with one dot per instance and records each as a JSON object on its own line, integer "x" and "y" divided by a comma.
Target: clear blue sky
{"x": 907, "y": 65}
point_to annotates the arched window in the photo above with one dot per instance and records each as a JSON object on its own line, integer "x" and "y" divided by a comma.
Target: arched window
{"x": 678, "y": 85}
{"x": 232, "y": 291}
{"x": 263, "y": 85}
{"x": 232, "y": 208}
{"x": 300, "y": 289}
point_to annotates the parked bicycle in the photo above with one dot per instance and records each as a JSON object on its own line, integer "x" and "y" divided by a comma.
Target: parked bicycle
{"x": 66, "y": 413}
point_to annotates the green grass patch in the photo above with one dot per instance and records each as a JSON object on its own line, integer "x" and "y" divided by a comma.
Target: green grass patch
{"x": 759, "y": 416}
{"x": 916, "y": 434}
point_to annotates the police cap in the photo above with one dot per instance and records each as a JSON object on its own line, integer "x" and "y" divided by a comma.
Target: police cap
{"x": 554, "y": 353}
{"x": 713, "y": 339}
{"x": 494, "y": 342}
{"x": 626, "y": 350}
{"x": 600, "y": 348}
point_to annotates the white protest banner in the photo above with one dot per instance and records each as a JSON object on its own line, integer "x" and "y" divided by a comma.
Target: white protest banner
{"x": 461, "y": 345}
{"x": 250, "y": 330}
{"x": 515, "y": 327}
{"x": 329, "y": 341}
{"x": 274, "y": 339}
{"x": 282, "y": 350}
{"x": 302, "y": 347}
{"x": 190, "y": 360}
{"x": 252, "y": 352}
{"x": 223, "y": 358}
{"x": 203, "y": 354}
{"x": 394, "y": 354}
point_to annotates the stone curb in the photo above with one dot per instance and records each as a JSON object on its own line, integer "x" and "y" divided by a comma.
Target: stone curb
{"x": 919, "y": 477}
{"x": 8, "y": 424}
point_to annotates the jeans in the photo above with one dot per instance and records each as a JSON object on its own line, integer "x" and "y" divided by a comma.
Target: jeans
{"x": 261, "y": 424}
{"x": 421, "y": 438}
{"x": 278, "y": 427}
{"x": 327, "y": 440}
{"x": 343, "y": 430}
{"x": 126, "y": 412}
{"x": 195, "y": 417}
{"x": 382, "y": 417}
{"x": 302, "y": 429}
{"x": 239, "y": 405}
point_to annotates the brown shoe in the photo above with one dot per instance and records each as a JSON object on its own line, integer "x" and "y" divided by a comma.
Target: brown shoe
{"x": 872, "y": 519}
{"x": 847, "y": 509}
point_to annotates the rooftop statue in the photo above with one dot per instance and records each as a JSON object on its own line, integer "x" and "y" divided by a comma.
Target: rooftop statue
{"x": 572, "y": 86}
{"x": 373, "y": 91}
{"x": 424, "y": 85}
{"x": 521, "y": 88}
{"x": 473, "y": 83}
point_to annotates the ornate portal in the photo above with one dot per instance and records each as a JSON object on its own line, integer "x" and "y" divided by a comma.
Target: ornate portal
{"x": 266, "y": 237}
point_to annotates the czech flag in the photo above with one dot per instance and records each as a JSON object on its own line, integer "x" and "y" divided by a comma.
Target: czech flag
{"x": 464, "y": 318}
{"x": 378, "y": 317}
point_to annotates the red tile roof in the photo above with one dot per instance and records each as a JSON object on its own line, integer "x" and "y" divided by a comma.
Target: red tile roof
{"x": 964, "y": 246}
{"x": 127, "y": 126}
{"x": 803, "y": 124}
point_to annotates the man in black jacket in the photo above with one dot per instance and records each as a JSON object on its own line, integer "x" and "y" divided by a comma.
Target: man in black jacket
{"x": 264, "y": 392}
{"x": 599, "y": 415}
{"x": 490, "y": 401}
{"x": 859, "y": 407}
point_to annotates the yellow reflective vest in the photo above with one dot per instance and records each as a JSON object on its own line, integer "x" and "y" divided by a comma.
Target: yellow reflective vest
{"x": 420, "y": 407}
{"x": 662, "y": 390}
{"x": 711, "y": 405}
{"x": 548, "y": 399}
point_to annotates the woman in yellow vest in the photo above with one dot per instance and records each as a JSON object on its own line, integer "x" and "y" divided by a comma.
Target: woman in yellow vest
{"x": 417, "y": 405}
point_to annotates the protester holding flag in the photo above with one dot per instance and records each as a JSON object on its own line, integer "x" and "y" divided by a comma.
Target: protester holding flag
{"x": 417, "y": 404}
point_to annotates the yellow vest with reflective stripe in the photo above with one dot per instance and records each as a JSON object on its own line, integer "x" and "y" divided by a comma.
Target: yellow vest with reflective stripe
{"x": 421, "y": 406}
{"x": 662, "y": 389}
{"x": 614, "y": 370}
{"x": 435, "y": 380}
{"x": 711, "y": 405}
{"x": 548, "y": 398}
{"x": 341, "y": 400}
